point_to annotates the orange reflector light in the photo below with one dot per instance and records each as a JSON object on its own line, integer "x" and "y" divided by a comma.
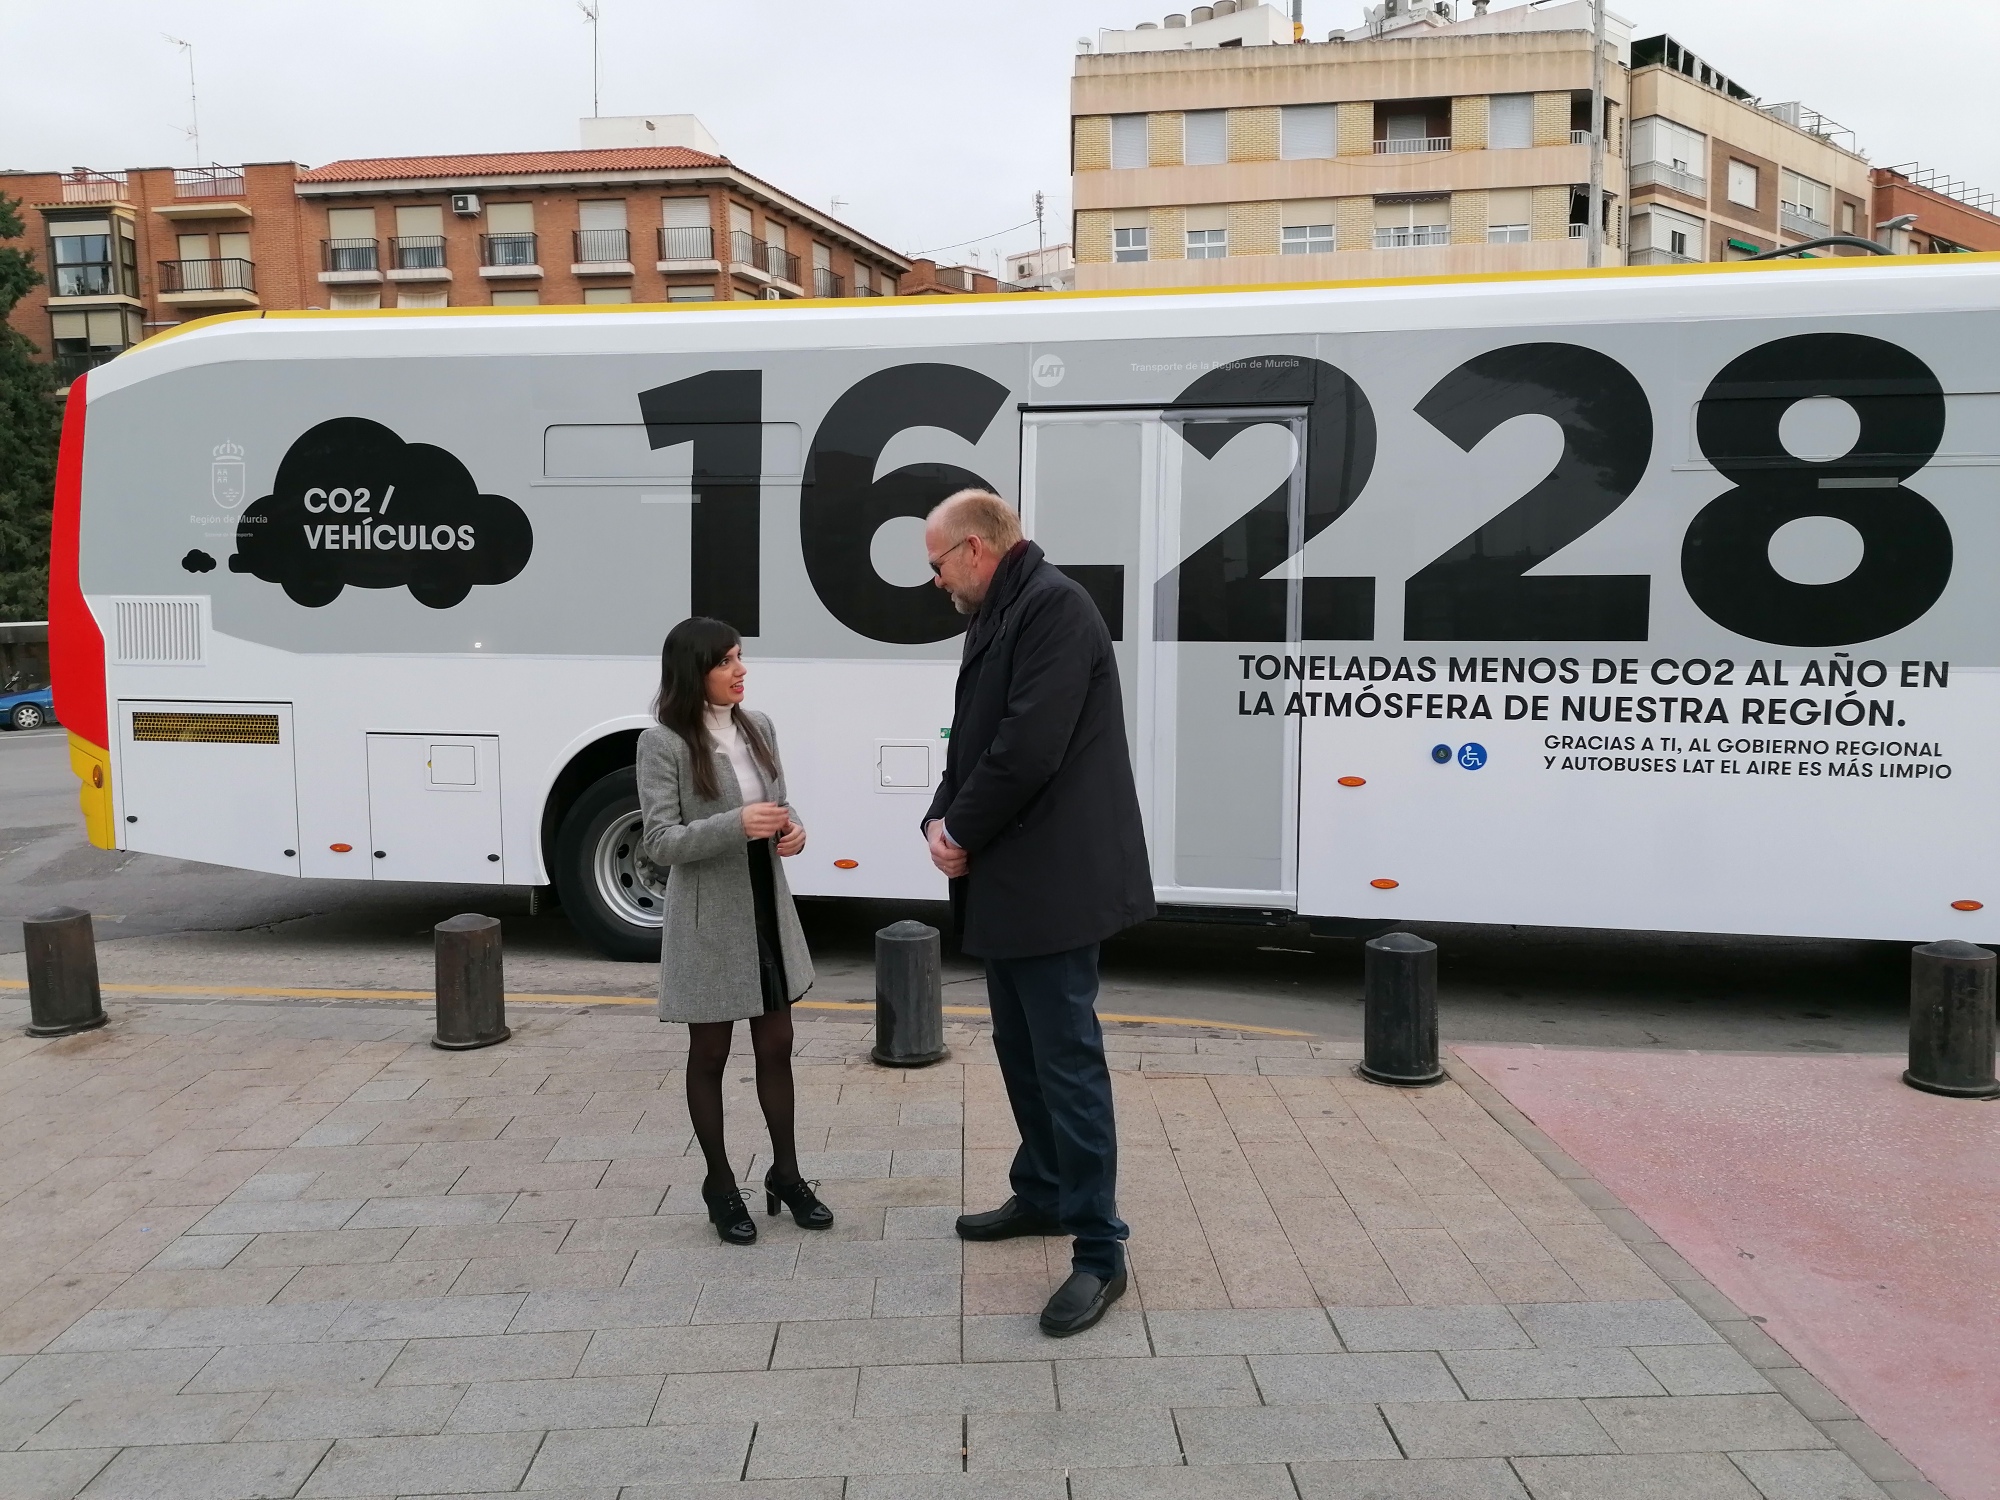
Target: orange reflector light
{"x": 1967, "y": 905}
{"x": 341, "y": 848}
{"x": 847, "y": 864}
{"x": 97, "y": 776}
{"x": 1384, "y": 885}
{"x": 1352, "y": 781}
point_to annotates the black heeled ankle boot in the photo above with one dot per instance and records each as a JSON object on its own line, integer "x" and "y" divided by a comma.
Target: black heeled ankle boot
{"x": 728, "y": 1213}
{"x": 797, "y": 1195}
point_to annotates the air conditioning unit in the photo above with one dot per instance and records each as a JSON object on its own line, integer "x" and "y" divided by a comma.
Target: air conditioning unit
{"x": 465, "y": 203}
{"x": 772, "y": 294}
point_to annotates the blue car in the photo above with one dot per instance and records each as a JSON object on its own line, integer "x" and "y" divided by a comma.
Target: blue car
{"x": 26, "y": 708}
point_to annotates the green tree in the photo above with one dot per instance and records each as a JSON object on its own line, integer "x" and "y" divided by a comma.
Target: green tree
{"x": 30, "y": 424}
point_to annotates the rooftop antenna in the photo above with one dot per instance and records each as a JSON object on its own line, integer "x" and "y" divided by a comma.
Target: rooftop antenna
{"x": 1041, "y": 242}
{"x": 194, "y": 110}
{"x": 590, "y": 14}
{"x": 835, "y": 204}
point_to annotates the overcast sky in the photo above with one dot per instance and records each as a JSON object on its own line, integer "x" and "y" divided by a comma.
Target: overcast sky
{"x": 935, "y": 123}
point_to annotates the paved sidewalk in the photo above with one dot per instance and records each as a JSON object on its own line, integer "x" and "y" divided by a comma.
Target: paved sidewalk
{"x": 265, "y": 1250}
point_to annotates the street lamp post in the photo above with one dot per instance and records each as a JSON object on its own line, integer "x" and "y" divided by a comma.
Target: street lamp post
{"x": 1593, "y": 233}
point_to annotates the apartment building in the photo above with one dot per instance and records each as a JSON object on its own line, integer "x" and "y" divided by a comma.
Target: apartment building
{"x": 1718, "y": 175}
{"x": 1212, "y": 149}
{"x": 124, "y": 254}
{"x": 1949, "y": 217}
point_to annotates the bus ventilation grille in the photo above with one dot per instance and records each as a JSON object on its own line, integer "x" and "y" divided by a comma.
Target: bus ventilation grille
{"x": 158, "y": 632}
{"x": 207, "y": 729}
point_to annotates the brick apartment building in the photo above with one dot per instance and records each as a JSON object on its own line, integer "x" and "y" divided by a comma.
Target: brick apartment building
{"x": 128, "y": 253}
{"x": 1951, "y": 217}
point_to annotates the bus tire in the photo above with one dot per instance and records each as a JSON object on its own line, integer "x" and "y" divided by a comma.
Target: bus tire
{"x": 608, "y": 895}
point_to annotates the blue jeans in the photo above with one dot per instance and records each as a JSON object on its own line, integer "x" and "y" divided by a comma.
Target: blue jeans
{"x": 1051, "y": 1052}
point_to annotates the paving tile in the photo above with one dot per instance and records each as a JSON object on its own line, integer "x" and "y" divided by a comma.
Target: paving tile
{"x": 1499, "y": 1374}
{"x": 1181, "y": 1380}
{"x": 538, "y": 1273}
{"x": 403, "y": 1412}
{"x": 423, "y": 1465}
{"x": 672, "y": 1267}
{"x": 322, "y": 1247}
{"x": 1675, "y": 1476}
{"x": 57, "y": 1476}
{"x": 663, "y": 1351}
{"x": 1410, "y": 1479}
{"x": 764, "y": 1300}
{"x": 1071, "y": 1439}
{"x": 610, "y": 1307}
{"x": 918, "y": 1296}
{"x": 272, "y": 1187}
{"x": 586, "y": 1203}
{"x": 1236, "y": 1481}
{"x": 953, "y": 1388}
{"x": 196, "y": 1252}
{"x": 867, "y": 1341}
{"x": 933, "y": 1223}
{"x": 388, "y": 1281}
{"x": 506, "y": 1356}
{"x": 1336, "y": 1379}
{"x": 232, "y": 1286}
{"x": 1713, "y": 1370}
{"x": 1383, "y": 1329}
{"x": 446, "y": 1208}
{"x": 482, "y": 1241}
{"x": 225, "y": 1471}
{"x": 792, "y": 1449}
{"x": 116, "y": 1421}
{"x": 426, "y": 1317}
{"x": 1607, "y": 1325}
{"x": 1283, "y": 1434}
{"x": 536, "y": 1405}
{"x": 757, "y": 1396}
{"x": 616, "y": 1147}
{"x": 57, "y": 1379}
{"x": 1121, "y": 1334}
{"x": 821, "y": 1258}
{"x": 110, "y": 1328}
{"x": 1807, "y": 1476}
{"x": 265, "y": 1218}
{"x": 1495, "y": 1429}
{"x": 752, "y": 1489}
{"x": 640, "y": 1456}
{"x": 1242, "y": 1330}
{"x": 1681, "y": 1424}
{"x": 1046, "y": 1484}
{"x": 285, "y": 1323}
{"x": 297, "y": 1367}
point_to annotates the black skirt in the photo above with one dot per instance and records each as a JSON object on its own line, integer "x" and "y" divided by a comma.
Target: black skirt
{"x": 770, "y": 955}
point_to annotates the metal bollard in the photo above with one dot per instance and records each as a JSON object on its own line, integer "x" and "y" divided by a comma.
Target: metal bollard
{"x": 1400, "y": 1028}
{"x": 1951, "y": 1020}
{"x": 471, "y": 998}
{"x": 62, "y": 973}
{"x": 909, "y": 996}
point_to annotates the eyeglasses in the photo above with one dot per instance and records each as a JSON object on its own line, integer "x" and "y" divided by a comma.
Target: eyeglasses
{"x": 937, "y": 563}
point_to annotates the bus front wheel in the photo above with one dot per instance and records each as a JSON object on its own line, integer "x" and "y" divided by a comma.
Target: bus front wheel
{"x": 613, "y": 898}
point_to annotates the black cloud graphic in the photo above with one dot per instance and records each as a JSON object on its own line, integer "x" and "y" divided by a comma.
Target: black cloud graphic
{"x": 198, "y": 561}
{"x": 354, "y": 503}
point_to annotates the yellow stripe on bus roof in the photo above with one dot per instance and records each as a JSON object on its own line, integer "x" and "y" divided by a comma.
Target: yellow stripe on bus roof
{"x": 1474, "y": 278}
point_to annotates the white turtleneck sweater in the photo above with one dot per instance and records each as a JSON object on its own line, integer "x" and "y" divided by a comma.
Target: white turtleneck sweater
{"x": 729, "y": 740}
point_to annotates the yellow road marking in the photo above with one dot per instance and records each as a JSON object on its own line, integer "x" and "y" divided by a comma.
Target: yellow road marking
{"x": 267, "y": 993}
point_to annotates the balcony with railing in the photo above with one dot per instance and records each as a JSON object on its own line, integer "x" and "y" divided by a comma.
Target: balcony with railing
{"x": 417, "y": 257}
{"x": 208, "y": 182}
{"x": 69, "y": 366}
{"x": 783, "y": 265}
{"x": 868, "y": 291}
{"x": 746, "y": 256}
{"x": 503, "y": 256}
{"x": 826, "y": 284}
{"x": 1652, "y": 257}
{"x": 82, "y": 185}
{"x": 1667, "y": 175}
{"x": 1578, "y": 231}
{"x": 1400, "y": 237}
{"x": 227, "y": 282}
{"x": 1413, "y": 145}
{"x": 602, "y": 252}
{"x": 689, "y": 248}
{"x": 350, "y": 260}
{"x": 1794, "y": 219}
{"x": 1579, "y": 137}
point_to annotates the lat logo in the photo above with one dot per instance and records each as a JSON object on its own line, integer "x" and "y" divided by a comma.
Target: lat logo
{"x": 1049, "y": 370}
{"x": 227, "y": 484}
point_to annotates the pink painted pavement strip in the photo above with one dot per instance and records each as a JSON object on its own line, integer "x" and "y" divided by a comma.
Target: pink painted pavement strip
{"x": 1859, "y": 1218}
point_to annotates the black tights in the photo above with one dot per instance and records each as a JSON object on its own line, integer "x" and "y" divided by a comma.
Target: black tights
{"x": 708, "y": 1057}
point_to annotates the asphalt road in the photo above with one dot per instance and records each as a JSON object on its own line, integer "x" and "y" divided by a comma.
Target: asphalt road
{"x": 173, "y": 922}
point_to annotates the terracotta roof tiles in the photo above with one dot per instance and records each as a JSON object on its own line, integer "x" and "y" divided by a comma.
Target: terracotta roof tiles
{"x": 509, "y": 163}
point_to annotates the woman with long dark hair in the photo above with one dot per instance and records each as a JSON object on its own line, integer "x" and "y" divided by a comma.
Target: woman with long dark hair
{"x": 713, "y": 793}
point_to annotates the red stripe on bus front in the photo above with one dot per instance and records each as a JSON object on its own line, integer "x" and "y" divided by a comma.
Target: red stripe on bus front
{"x": 76, "y": 645}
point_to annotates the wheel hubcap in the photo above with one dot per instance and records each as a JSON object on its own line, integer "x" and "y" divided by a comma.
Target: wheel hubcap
{"x": 624, "y": 884}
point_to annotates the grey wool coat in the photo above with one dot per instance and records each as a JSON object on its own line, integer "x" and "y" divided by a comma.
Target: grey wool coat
{"x": 708, "y": 951}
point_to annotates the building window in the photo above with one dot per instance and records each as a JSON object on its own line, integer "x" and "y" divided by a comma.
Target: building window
{"x": 1669, "y": 154}
{"x": 1806, "y": 200}
{"x": 93, "y": 258}
{"x": 1743, "y": 184}
{"x": 690, "y": 294}
{"x": 1207, "y": 244}
{"x": 1509, "y": 212}
{"x": 1847, "y": 218}
{"x": 1510, "y": 122}
{"x": 888, "y": 285}
{"x": 1402, "y": 223}
{"x": 1128, "y": 244}
{"x": 1205, "y": 137}
{"x": 411, "y": 296}
{"x": 1506, "y": 234}
{"x": 685, "y": 229}
{"x": 530, "y": 298}
{"x": 862, "y": 288}
{"x": 1306, "y": 132}
{"x": 366, "y": 301}
{"x": 1662, "y": 236}
{"x": 1305, "y": 239}
{"x": 510, "y": 235}
{"x": 84, "y": 340}
{"x": 597, "y": 294}
{"x": 1128, "y": 141}
{"x": 601, "y": 235}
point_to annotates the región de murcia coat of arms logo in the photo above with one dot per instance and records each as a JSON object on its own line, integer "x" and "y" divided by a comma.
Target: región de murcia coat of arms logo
{"x": 227, "y": 482}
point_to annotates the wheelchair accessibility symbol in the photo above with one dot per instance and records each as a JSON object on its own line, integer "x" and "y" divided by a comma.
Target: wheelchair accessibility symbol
{"x": 1472, "y": 757}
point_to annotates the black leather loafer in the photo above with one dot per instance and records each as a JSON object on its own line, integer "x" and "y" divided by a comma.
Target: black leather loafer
{"x": 1080, "y": 1302}
{"x": 1010, "y": 1220}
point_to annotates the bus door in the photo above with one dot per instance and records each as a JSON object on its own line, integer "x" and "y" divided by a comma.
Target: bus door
{"x": 1156, "y": 514}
